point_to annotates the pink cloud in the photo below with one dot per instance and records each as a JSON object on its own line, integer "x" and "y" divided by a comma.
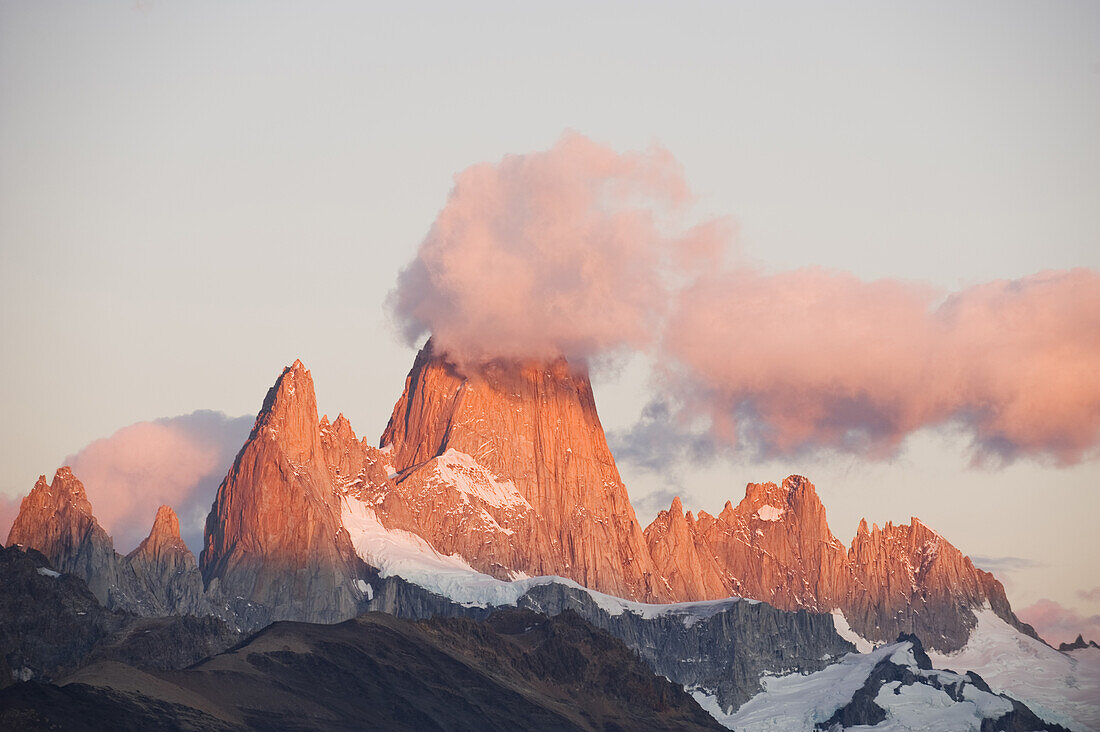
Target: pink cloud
{"x": 178, "y": 461}
{"x": 582, "y": 251}
{"x": 9, "y": 509}
{"x": 814, "y": 359}
{"x": 567, "y": 251}
{"x": 1057, "y": 624}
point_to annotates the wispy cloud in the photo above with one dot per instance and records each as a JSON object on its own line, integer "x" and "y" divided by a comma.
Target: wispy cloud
{"x": 1059, "y": 624}
{"x": 1000, "y": 565}
{"x": 815, "y": 359}
{"x": 1092, "y": 595}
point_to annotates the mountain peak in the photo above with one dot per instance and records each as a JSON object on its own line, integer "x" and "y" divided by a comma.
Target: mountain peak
{"x": 677, "y": 507}
{"x": 163, "y": 536}
{"x": 276, "y": 511}
{"x": 166, "y": 524}
{"x": 534, "y": 424}
{"x": 289, "y": 413}
{"x": 61, "y": 496}
{"x": 794, "y": 483}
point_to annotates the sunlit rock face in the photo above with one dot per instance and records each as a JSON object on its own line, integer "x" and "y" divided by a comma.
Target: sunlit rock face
{"x": 273, "y": 535}
{"x": 56, "y": 519}
{"x": 502, "y": 467}
{"x": 158, "y": 578}
{"x": 776, "y": 546}
{"x": 543, "y": 492}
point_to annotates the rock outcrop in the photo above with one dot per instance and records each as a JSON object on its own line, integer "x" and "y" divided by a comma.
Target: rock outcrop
{"x": 56, "y": 519}
{"x": 51, "y": 625}
{"x": 909, "y": 579}
{"x": 167, "y": 569}
{"x": 776, "y": 546}
{"x": 160, "y": 577}
{"x": 273, "y": 536}
{"x": 1077, "y": 645}
{"x": 538, "y": 491}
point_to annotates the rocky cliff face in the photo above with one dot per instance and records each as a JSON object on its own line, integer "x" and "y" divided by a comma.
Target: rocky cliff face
{"x": 167, "y": 569}
{"x": 160, "y": 577}
{"x": 273, "y": 536}
{"x": 776, "y": 546}
{"x": 909, "y": 579}
{"x": 56, "y": 519}
{"x": 543, "y": 491}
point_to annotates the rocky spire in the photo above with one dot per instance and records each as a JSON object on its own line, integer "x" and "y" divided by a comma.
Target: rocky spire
{"x": 776, "y": 546}
{"x": 164, "y": 536}
{"x": 167, "y": 570}
{"x": 273, "y": 535}
{"x": 682, "y": 556}
{"x": 56, "y": 519}
{"x": 533, "y": 425}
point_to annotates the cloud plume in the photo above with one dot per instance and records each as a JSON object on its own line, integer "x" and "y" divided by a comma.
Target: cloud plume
{"x": 586, "y": 252}
{"x": 814, "y": 359}
{"x": 177, "y": 461}
{"x": 567, "y": 251}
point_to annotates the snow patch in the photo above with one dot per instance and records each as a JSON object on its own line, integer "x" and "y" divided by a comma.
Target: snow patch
{"x": 845, "y": 631}
{"x": 800, "y": 702}
{"x": 397, "y": 553}
{"x": 472, "y": 479}
{"x": 922, "y": 707}
{"x": 1063, "y": 688}
{"x": 768, "y": 512}
{"x": 365, "y": 588}
{"x": 47, "y": 572}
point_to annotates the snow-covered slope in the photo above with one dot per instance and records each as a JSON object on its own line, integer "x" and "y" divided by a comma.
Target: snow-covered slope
{"x": 407, "y": 555}
{"x": 890, "y": 688}
{"x": 1061, "y": 687}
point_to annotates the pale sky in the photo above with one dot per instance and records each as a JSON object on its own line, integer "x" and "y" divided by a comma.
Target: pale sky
{"x": 192, "y": 195}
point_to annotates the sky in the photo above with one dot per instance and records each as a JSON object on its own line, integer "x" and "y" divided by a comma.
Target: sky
{"x": 192, "y": 195}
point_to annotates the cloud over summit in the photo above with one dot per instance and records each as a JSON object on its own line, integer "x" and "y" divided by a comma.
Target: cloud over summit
{"x": 583, "y": 251}
{"x": 571, "y": 251}
{"x": 819, "y": 359}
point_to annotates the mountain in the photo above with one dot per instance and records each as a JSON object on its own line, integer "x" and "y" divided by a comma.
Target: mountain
{"x": 544, "y": 495}
{"x": 165, "y": 566}
{"x": 273, "y": 536}
{"x": 1060, "y": 687}
{"x": 494, "y": 488}
{"x": 892, "y": 688}
{"x": 51, "y": 625}
{"x": 512, "y": 668}
{"x": 776, "y": 546}
{"x": 56, "y": 519}
{"x": 1077, "y": 645}
{"x": 516, "y": 670}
